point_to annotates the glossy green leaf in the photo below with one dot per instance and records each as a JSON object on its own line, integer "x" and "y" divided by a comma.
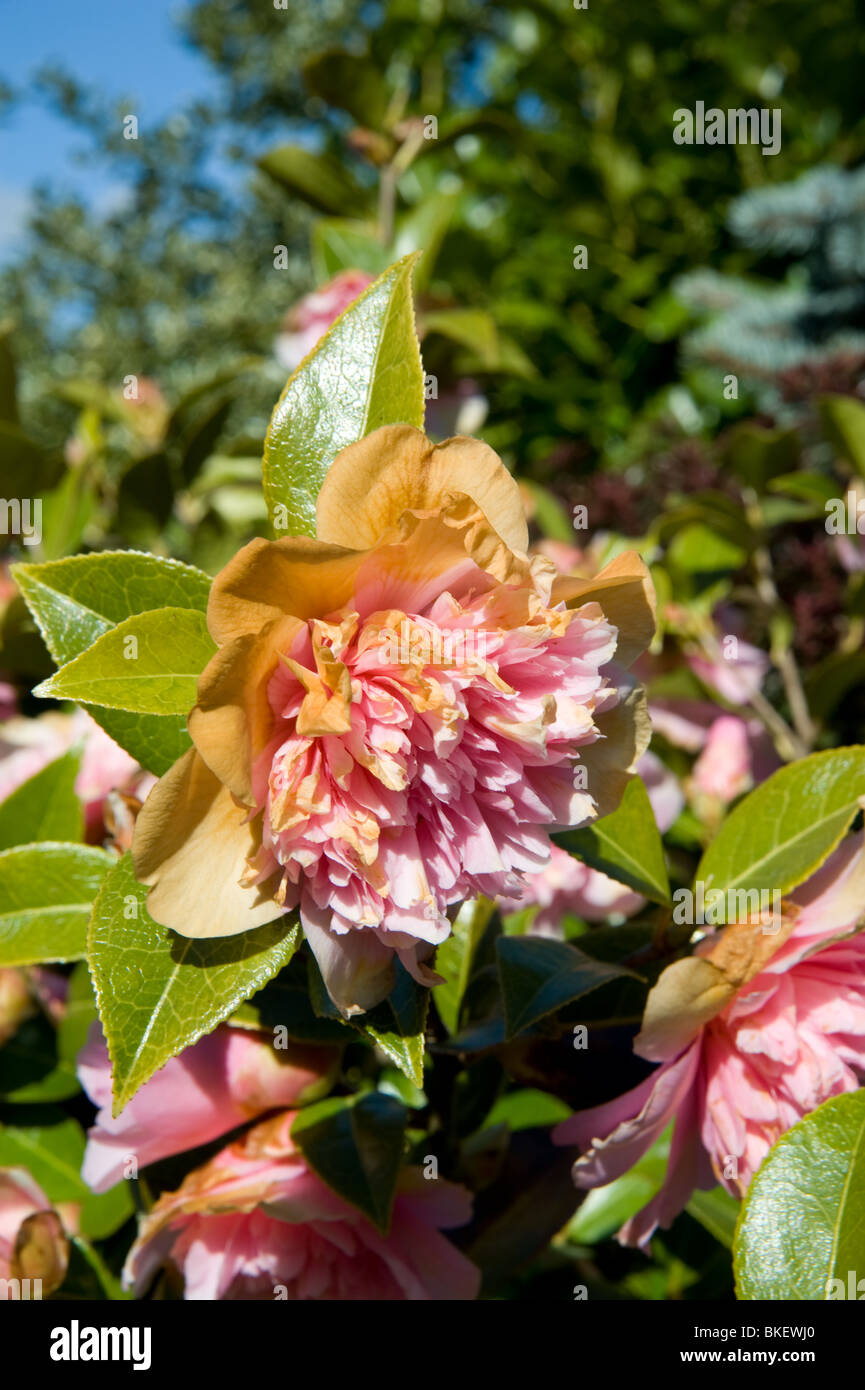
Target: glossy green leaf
{"x": 799, "y": 1235}
{"x": 74, "y": 601}
{"x": 356, "y": 1147}
{"x": 626, "y": 845}
{"x": 50, "y": 1145}
{"x": 158, "y": 992}
{"x": 455, "y": 956}
{"x": 46, "y": 893}
{"x": 365, "y": 372}
{"x": 149, "y": 664}
{"x": 44, "y": 807}
{"x": 779, "y": 834}
{"x": 539, "y": 976}
{"x": 397, "y": 1025}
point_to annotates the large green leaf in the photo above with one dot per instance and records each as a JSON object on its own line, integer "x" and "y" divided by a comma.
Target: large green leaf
{"x": 626, "y": 845}
{"x": 158, "y": 992}
{"x": 455, "y": 956}
{"x": 355, "y": 1145}
{"x": 784, "y": 829}
{"x": 50, "y": 1145}
{"x": 44, "y": 807}
{"x": 76, "y": 600}
{"x": 539, "y": 976}
{"x": 801, "y": 1226}
{"x": 149, "y": 663}
{"x": 365, "y": 372}
{"x": 46, "y": 893}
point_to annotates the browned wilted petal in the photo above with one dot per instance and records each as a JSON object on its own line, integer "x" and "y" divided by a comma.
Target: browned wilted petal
{"x": 625, "y": 591}
{"x": 397, "y": 469}
{"x": 266, "y": 580}
{"x": 231, "y": 722}
{"x": 41, "y": 1251}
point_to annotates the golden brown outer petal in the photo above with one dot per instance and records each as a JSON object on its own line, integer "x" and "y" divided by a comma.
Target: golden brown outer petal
{"x": 612, "y": 760}
{"x": 231, "y": 722}
{"x": 691, "y": 992}
{"x": 269, "y": 579}
{"x": 625, "y": 591}
{"x": 191, "y": 844}
{"x": 397, "y": 469}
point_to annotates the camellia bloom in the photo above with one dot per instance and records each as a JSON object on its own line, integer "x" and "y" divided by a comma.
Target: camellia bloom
{"x": 33, "y": 1245}
{"x": 756, "y": 1029}
{"x": 397, "y": 714}
{"x": 256, "y": 1223}
{"x": 222, "y": 1081}
{"x": 312, "y": 316}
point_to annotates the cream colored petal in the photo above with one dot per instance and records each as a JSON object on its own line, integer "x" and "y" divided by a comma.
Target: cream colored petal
{"x": 611, "y": 761}
{"x": 266, "y": 580}
{"x": 191, "y": 845}
{"x": 232, "y": 720}
{"x": 625, "y": 591}
{"x": 397, "y": 469}
{"x": 689, "y": 993}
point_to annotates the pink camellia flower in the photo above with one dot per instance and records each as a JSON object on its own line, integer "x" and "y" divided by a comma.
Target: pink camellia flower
{"x": 256, "y": 1223}
{"x": 227, "y": 1078}
{"x": 28, "y": 745}
{"x": 397, "y": 715}
{"x": 312, "y": 316}
{"x": 33, "y": 1245}
{"x": 761, "y": 1025}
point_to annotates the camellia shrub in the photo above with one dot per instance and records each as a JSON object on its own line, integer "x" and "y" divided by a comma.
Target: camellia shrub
{"x": 382, "y": 955}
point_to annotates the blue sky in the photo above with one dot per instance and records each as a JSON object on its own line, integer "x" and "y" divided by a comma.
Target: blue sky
{"x": 125, "y": 47}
